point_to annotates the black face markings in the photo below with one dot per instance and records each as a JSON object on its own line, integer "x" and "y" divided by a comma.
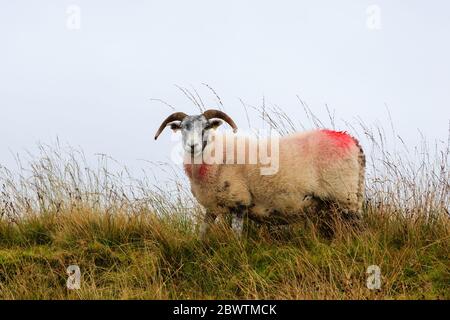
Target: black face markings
{"x": 193, "y": 134}
{"x": 213, "y": 124}
{"x": 199, "y": 123}
{"x": 191, "y": 122}
{"x": 175, "y": 126}
{"x": 187, "y": 126}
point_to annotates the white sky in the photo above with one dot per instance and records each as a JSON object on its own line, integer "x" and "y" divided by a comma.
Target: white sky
{"x": 92, "y": 87}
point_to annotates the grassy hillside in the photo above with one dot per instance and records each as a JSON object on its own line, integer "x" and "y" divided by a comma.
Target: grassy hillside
{"x": 124, "y": 256}
{"x": 137, "y": 239}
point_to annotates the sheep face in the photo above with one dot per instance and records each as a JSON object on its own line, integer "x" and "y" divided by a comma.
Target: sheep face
{"x": 196, "y": 132}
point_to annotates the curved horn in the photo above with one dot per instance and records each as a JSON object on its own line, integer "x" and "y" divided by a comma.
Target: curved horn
{"x": 177, "y": 116}
{"x": 209, "y": 114}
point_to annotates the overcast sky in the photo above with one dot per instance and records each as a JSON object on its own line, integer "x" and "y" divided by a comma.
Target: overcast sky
{"x": 85, "y": 71}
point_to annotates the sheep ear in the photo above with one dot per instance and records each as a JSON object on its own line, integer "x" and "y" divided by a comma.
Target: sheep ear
{"x": 214, "y": 124}
{"x": 175, "y": 126}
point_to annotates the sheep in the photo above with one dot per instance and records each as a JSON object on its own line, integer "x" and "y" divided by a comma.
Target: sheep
{"x": 314, "y": 167}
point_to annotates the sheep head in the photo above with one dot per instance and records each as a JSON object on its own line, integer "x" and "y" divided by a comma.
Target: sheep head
{"x": 196, "y": 129}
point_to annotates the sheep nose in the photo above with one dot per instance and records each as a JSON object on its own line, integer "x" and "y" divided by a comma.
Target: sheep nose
{"x": 192, "y": 148}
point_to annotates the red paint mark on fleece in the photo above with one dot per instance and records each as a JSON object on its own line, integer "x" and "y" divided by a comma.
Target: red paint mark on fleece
{"x": 196, "y": 171}
{"x": 341, "y": 138}
{"x": 203, "y": 170}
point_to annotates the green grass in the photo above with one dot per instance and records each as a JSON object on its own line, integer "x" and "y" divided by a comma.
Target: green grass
{"x": 148, "y": 257}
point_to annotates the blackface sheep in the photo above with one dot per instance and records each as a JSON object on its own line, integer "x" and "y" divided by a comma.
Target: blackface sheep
{"x": 312, "y": 168}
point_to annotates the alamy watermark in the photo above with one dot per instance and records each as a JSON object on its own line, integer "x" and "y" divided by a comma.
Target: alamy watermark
{"x": 254, "y": 148}
{"x": 373, "y": 19}
{"x": 374, "y": 279}
{"x": 73, "y": 17}
{"x": 74, "y": 279}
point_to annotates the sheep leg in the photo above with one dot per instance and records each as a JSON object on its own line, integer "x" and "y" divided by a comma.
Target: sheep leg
{"x": 237, "y": 224}
{"x": 237, "y": 220}
{"x": 208, "y": 221}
